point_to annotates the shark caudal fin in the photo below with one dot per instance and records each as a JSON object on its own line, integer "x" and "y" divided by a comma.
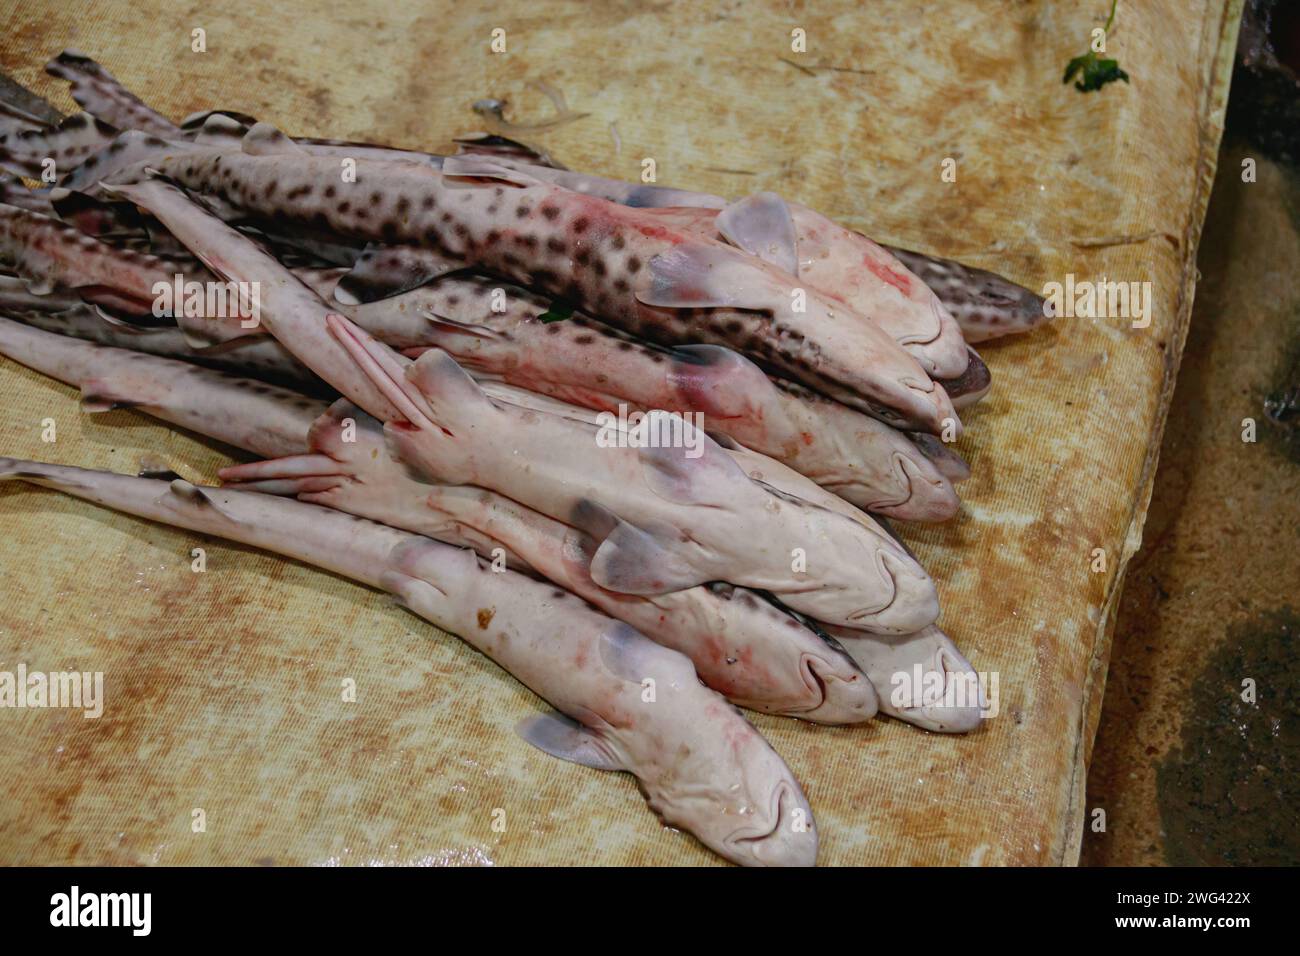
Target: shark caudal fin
{"x": 290, "y": 475}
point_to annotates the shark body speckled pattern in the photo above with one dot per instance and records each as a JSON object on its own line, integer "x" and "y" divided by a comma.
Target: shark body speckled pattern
{"x": 48, "y": 253}
{"x": 983, "y": 304}
{"x": 621, "y": 264}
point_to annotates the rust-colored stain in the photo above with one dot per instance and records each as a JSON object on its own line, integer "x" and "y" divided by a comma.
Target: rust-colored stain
{"x": 224, "y": 688}
{"x": 485, "y": 615}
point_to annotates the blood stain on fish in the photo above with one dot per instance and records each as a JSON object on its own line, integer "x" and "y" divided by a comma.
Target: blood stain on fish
{"x": 886, "y": 274}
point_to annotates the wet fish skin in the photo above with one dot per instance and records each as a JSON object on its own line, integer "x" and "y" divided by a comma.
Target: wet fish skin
{"x": 878, "y": 285}
{"x": 14, "y": 193}
{"x": 48, "y": 253}
{"x": 897, "y": 480}
{"x": 601, "y": 255}
{"x": 984, "y": 305}
{"x": 734, "y": 638}
{"x": 15, "y": 296}
{"x": 19, "y": 103}
{"x": 665, "y": 521}
{"x": 701, "y": 765}
{"x": 129, "y": 149}
{"x": 765, "y": 471}
{"x": 739, "y": 643}
{"x": 778, "y": 416}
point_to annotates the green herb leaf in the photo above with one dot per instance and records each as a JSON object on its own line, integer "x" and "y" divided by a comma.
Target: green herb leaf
{"x": 558, "y": 312}
{"x": 1094, "y": 72}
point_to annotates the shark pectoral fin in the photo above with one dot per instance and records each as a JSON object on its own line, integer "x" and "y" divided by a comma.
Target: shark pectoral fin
{"x": 762, "y": 226}
{"x": 577, "y": 549}
{"x": 382, "y": 271}
{"x": 565, "y": 738}
{"x": 265, "y": 140}
{"x": 629, "y": 654}
{"x": 705, "y": 275}
{"x": 691, "y": 470}
{"x": 410, "y": 591}
{"x": 631, "y": 560}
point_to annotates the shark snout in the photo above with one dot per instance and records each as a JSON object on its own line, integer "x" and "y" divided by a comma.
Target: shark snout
{"x": 845, "y": 695}
{"x": 915, "y": 602}
{"x": 959, "y": 709}
{"x": 783, "y": 835}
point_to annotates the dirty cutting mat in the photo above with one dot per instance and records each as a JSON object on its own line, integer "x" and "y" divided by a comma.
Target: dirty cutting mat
{"x": 224, "y": 688}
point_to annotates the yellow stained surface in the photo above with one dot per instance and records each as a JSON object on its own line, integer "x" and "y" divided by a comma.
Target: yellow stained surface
{"x": 224, "y": 688}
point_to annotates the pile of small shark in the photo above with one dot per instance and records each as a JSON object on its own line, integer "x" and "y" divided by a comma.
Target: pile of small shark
{"x": 638, "y": 445}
